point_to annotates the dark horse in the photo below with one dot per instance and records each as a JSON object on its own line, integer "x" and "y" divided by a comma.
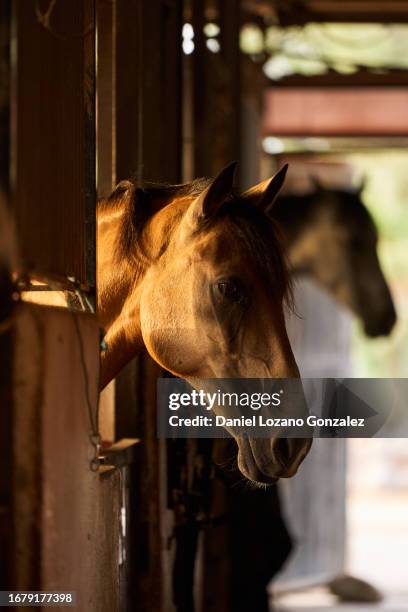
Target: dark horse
{"x": 331, "y": 237}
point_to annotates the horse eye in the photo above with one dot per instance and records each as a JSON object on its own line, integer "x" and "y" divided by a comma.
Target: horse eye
{"x": 231, "y": 291}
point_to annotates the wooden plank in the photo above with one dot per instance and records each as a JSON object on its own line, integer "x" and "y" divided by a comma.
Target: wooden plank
{"x": 354, "y": 11}
{"x": 160, "y": 91}
{"x": 6, "y": 310}
{"x": 148, "y": 148}
{"x": 336, "y": 112}
{"x": 106, "y": 98}
{"x": 202, "y": 151}
{"x": 67, "y": 518}
{"x": 216, "y": 90}
{"x": 5, "y": 13}
{"x": 148, "y": 96}
{"x": 124, "y": 452}
{"x": 53, "y": 173}
{"x": 127, "y": 116}
{"x": 361, "y": 79}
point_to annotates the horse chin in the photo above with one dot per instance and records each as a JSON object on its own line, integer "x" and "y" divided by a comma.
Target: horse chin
{"x": 256, "y": 477}
{"x": 248, "y": 466}
{"x": 286, "y": 457}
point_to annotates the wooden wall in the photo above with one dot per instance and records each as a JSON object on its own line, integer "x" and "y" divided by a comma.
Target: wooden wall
{"x": 67, "y": 518}
{"x": 53, "y": 138}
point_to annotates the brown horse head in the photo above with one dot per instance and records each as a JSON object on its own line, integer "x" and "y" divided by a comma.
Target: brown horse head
{"x": 332, "y": 236}
{"x": 209, "y": 297}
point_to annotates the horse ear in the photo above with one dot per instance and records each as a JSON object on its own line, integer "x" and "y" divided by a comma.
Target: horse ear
{"x": 264, "y": 194}
{"x": 207, "y": 204}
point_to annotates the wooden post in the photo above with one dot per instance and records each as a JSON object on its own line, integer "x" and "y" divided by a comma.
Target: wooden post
{"x": 216, "y": 90}
{"x": 148, "y": 147}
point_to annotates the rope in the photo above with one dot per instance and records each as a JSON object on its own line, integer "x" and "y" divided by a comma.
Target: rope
{"x": 94, "y": 436}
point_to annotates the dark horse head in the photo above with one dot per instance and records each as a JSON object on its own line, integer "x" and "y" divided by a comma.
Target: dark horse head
{"x": 332, "y": 236}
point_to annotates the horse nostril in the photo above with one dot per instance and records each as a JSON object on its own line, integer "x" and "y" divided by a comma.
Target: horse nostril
{"x": 290, "y": 452}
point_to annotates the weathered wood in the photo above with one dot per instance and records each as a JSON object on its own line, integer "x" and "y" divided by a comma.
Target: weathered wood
{"x": 148, "y": 147}
{"x": 6, "y": 421}
{"x": 336, "y": 112}
{"x": 5, "y": 13}
{"x": 361, "y": 79}
{"x": 127, "y": 66}
{"x": 216, "y": 81}
{"x": 67, "y": 518}
{"x": 124, "y": 452}
{"x": 364, "y": 11}
{"x": 216, "y": 133}
{"x": 53, "y": 145}
{"x": 6, "y": 306}
{"x": 106, "y": 100}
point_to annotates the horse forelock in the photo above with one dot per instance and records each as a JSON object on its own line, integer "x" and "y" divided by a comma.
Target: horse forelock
{"x": 138, "y": 206}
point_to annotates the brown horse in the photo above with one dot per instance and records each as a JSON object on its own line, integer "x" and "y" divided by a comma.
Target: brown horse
{"x": 331, "y": 236}
{"x": 195, "y": 274}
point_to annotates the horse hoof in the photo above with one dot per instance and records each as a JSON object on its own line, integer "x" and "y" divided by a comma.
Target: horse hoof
{"x": 348, "y": 588}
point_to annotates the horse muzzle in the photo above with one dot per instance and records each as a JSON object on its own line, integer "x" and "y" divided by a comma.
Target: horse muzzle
{"x": 265, "y": 460}
{"x": 381, "y": 325}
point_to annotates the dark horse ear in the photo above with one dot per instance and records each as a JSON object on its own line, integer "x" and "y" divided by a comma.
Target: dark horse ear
{"x": 264, "y": 194}
{"x": 207, "y": 204}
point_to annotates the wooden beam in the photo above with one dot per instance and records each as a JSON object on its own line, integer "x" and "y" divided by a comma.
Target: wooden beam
{"x": 106, "y": 98}
{"x": 362, "y": 78}
{"x": 353, "y": 11}
{"x": 148, "y": 148}
{"x": 336, "y": 112}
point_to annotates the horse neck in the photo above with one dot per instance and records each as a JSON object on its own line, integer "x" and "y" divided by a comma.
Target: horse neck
{"x": 118, "y": 283}
{"x": 120, "y": 279}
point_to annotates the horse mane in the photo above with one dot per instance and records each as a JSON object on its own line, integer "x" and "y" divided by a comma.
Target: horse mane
{"x": 260, "y": 236}
{"x": 137, "y": 204}
{"x": 183, "y": 190}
